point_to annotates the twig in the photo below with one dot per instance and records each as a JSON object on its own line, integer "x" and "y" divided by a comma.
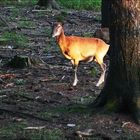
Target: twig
{"x": 125, "y": 123}
{"x": 35, "y": 128}
{"x": 3, "y": 96}
{"x": 39, "y": 10}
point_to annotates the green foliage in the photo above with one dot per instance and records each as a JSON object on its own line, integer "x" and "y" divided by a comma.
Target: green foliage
{"x": 15, "y": 12}
{"x": 47, "y": 31}
{"x": 26, "y": 24}
{"x": 45, "y": 134}
{"x": 94, "y": 71}
{"x": 70, "y": 4}
{"x": 72, "y": 109}
{"x": 61, "y": 17}
{"x": 15, "y": 39}
{"x": 41, "y": 13}
{"x": 88, "y": 35}
{"x": 10, "y": 131}
{"x": 20, "y": 82}
{"x": 49, "y": 114}
{"x": 15, "y": 2}
{"x": 81, "y": 4}
{"x": 15, "y": 130}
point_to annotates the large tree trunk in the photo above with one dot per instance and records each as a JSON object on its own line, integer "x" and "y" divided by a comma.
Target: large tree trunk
{"x": 48, "y": 3}
{"x": 122, "y": 88}
{"x": 105, "y": 9}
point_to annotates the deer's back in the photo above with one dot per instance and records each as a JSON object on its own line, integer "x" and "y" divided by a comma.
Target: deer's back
{"x": 85, "y": 47}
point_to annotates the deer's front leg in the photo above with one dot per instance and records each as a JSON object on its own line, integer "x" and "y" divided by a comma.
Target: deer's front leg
{"x": 75, "y": 66}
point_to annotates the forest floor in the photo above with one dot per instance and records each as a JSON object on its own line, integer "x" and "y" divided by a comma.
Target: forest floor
{"x": 38, "y": 102}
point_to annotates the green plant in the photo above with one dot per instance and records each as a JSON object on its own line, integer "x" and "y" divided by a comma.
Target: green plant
{"x": 94, "y": 71}
{"x": 81, "y": 4}
{"x": 21, "y": 3}
{"x": 26, "y": 24}
{"x": 20, "y": 82}
{"x": 88, "y": 35}
{"x": 77, "y": 108}
{"x": 16, "y": 130}
{"x": 15, "y": 39}
{"x": 41, "y": 13}
{"x": 47, "y": 31}
{"x": 15, "y": 12}
{"x": 44, "y": 134}
{"x": 11, "y": 130}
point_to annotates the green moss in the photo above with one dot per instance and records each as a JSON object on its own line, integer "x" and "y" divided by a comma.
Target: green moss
{"x": 16, "y": 130}
{"x": 49, "y": 114}
{"x": 26, "y": 24}
{"x": 75, "y": 108}
{"x": 11, "y": 130}
{"x": 20, "y": 82}
{"x": 111, "y": 105}
{"x": 44, "y": 134}
{"x": 40, "y": 13}
{"x": 81, "y": 4}
{"x": 22, "y": 3}
{"x": 60, "y": 18}
{"x": 88, "y": 35}
{"x": 70, "y": 4}
{"x": 14, "y": 39}
{"x": 47, "y": 31}
{"x": 94, "y": 71}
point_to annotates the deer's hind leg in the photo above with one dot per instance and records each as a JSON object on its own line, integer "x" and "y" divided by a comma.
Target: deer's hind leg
{"x": 103, "y": 67}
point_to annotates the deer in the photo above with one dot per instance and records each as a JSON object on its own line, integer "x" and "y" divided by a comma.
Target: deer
{"x": 77, "y": 49}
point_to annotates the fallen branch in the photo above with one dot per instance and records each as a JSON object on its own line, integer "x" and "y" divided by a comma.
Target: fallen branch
{"x": 40, "y": 10}
{"x": 35, "y": 128}
{"x": 3, "y": 96}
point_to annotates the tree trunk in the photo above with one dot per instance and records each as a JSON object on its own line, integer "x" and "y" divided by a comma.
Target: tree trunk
{"x": 48, "y": 3}
{"x": 105, "y": 9}
{"x": 122, "y": 88}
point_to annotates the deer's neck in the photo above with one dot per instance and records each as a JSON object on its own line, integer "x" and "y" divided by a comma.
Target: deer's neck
{"x": 61, "y": 39}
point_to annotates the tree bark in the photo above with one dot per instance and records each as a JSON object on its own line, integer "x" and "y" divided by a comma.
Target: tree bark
{"x": 48, "y": 3}
{"x": 122, "y": 88}
{"x": 105, "y": 10}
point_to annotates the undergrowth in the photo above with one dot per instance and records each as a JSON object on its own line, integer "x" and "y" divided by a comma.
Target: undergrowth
{"x": 70, "y": 4}
{"x": 81, "y": 4}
